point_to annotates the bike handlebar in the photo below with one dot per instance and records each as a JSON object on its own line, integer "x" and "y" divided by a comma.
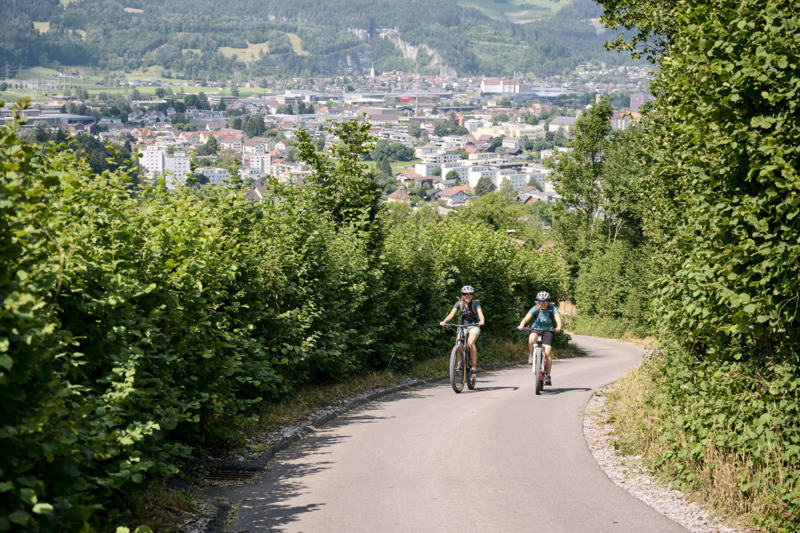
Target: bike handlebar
{"x": 461, "y": 325}
{"x": 537, "y": 330}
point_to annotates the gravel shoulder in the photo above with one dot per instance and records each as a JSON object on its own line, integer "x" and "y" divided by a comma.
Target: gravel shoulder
{"x": 629, "y": 472}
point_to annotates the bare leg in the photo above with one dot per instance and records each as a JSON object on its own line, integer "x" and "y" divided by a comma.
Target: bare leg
{"x": 532, "y": 342}
{"x": 548, "y": 361}
{"x": 473, "y": 351}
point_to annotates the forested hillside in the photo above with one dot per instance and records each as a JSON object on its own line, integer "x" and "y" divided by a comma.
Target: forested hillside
{"x": 203, "y": 38}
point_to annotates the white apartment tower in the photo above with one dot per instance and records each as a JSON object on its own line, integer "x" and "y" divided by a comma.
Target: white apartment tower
{"x": 156, "y": 163}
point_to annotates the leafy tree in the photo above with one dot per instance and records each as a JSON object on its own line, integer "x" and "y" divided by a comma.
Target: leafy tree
{"x": 210, "y": 148}
{"x": 453, "y": 175}
{"x": 437, "y": 171}
{"x": 414, "y": 130}
{"x": 578, "y": 174}
{"x": 236, "y": 123}
{"x": 484, "y": 186}
{"x": 506, "y": 190}
{"x": 496, "y": 142}
{"x": 498, "y": 118}
{"x": 384, "y": 167}
{"x": 342, "y": 187}
{"x": 254, "y": 126}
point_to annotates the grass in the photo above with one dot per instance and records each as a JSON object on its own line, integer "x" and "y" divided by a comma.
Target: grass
{"x": 250, "y": 53}
{"x": 164, "y": 509}
{"x": 639, "y": 412}
{"x": 517, "y": 11}
{"x": 297, "y": 44}
{"x": 38, "y": 72}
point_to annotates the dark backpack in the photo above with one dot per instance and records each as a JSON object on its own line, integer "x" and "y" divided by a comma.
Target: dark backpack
{"x": 471, "y": 308}
{"x": 549, "y": 311}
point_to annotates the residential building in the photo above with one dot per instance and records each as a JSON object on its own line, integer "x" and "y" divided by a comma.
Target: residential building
{"x": 400, "y": 195}
{"x": 157, "y": 162}
{"x": 216, "y": 176}
{"x": 454, "y": 197}
{"x": 257, "y": 162}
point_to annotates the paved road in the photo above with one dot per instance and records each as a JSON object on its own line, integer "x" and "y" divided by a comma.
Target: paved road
{"x": 497, "y": 458}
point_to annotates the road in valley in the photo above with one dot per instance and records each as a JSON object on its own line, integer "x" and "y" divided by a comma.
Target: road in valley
{"x": 497, "y": 458}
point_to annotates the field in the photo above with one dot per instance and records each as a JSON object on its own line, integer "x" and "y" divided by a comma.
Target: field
{"x": 252, "y": 52}
{"x": 43, "y": 27}
{"x": 517, "y": 11}
{"x": 297, "y": 44}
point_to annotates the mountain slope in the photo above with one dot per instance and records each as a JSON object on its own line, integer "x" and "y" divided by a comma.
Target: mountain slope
{"x": 197, "y": 38}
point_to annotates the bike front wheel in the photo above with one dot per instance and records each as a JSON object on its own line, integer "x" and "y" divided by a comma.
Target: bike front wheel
{"x": 457, "y": 375}
{"x": 538, "y": 370}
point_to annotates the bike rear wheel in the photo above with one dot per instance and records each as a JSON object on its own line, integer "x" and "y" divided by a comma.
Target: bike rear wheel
{"x": 471, "y": 377}
{"x": 457, "y": 376}
{"x": 538, "y": 369}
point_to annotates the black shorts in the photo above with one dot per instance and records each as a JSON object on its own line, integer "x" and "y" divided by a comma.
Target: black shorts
{"x": 547, "y": 338}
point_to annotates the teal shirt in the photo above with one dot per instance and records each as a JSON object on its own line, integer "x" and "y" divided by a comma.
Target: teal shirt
{"x": 543, "y": 320}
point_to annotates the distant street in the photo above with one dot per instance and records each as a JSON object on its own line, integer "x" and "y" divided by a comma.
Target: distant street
{"x": 497, "y": 458}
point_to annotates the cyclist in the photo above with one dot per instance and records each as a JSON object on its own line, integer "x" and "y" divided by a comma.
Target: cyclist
{"x": 545, "y": 316}
{"x": 471, "y": 313}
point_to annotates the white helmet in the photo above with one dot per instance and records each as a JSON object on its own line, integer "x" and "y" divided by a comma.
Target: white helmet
{"x": 543, "y": 296}
{"x": 467, "y": 289}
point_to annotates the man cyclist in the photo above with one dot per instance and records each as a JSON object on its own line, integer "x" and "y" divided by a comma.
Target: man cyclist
{"x": 471, "y": 313}
{"x": 545, "y": 316}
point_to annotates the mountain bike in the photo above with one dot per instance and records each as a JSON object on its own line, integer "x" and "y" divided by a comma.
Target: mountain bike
{"x": 460, "y": 360}
{"x": 538, "y": 357}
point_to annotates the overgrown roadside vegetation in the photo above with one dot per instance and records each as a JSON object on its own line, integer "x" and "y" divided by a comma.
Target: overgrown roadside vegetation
{"x": 693, "y": 238}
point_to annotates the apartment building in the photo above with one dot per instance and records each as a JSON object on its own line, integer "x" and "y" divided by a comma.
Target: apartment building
{"x": 157, "y": 162}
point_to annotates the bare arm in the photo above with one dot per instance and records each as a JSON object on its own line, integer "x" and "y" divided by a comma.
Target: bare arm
{"x": 528, "y": 316}
{"x": 449, "y": 317}
{"x": 480, "y": 315}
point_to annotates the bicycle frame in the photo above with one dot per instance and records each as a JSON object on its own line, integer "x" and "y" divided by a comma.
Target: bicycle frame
{"x": 461, "y": 354}
{"x": 539, "y": 357}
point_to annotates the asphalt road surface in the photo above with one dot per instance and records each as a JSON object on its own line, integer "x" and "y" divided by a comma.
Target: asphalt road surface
{"x": 498, "y": 458}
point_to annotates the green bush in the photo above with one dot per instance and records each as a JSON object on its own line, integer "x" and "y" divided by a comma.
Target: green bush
{"x": 737, "y": 412}
{"x": 138, "y": 325}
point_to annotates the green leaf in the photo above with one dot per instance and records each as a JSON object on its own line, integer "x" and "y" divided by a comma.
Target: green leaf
{"x": 20, "y": 517}
{"x": 28, "y": 496}
{"x": 43, "y": 508}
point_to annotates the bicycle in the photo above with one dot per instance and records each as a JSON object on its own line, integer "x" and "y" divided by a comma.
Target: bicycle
{"x": 460, "y": 354}
{"x": 538, "y": 357}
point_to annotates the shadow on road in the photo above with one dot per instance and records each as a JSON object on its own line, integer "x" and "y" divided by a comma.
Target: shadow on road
{"x": 263, "y": 506}
{"x": 565, "y": 389}
{"x": 478, "y": 388}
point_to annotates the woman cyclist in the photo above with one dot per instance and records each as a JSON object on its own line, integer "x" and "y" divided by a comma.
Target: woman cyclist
{"x": 546, "y": 317}
{"x": 471, "y": 314}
